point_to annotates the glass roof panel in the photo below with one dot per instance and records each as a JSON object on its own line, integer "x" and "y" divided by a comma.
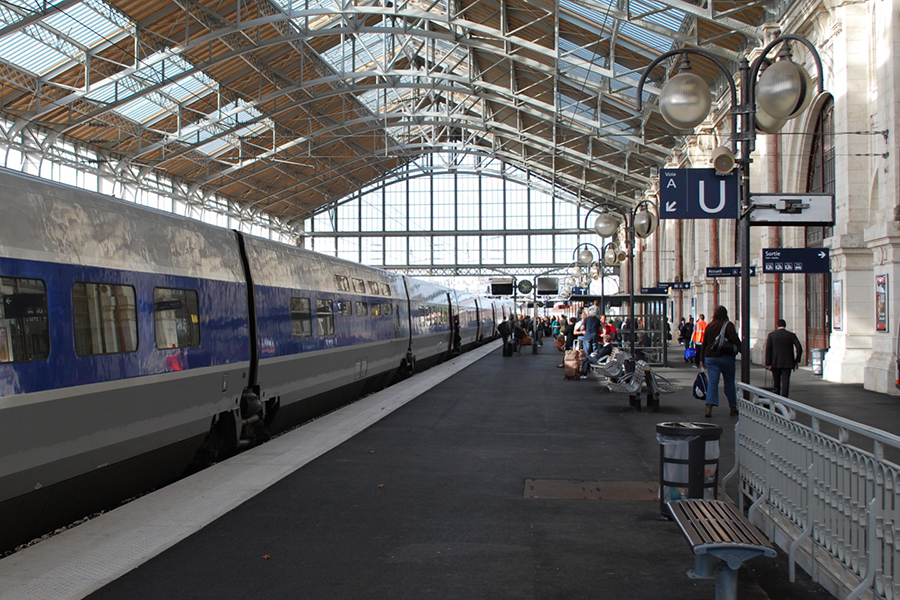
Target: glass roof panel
{"x": 83, "y": 25}
{"x": 667, "y": 17}
{"x": 27, "y": 53}
{"x": 647, "y": 38}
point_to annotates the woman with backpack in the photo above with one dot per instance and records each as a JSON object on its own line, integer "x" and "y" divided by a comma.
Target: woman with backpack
{"x": 720, "y": 345}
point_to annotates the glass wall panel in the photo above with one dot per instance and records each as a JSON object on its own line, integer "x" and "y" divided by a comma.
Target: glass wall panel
{"x": 467, "y": 250}
{"x": 492, "y": 249}
{"x": 348, "y": 216}
{"x": 395, "y": 251}
{"x": 372, "y": 251}
{"x": 491, "y": 203}
{"x": 444, "y": 250}
{"x": 541, "y": 249}
{"x": 517, "y": 249}
{"x": 444, "y": 203}
{"x": 324, "y": 245}
{"x": 395, "y": 207}
{"x": 420, "y": 204}
{"x": 420, "y": 250}
{"x": 348, "y": 249}
{"x": 468, "y": 203}
{"x": 541, "y": 210}
{"x": 372, "y": 211}
{"x": 516, "y": 206}
{"x": 565, "y": 246}
{"x": 566, "y": 215}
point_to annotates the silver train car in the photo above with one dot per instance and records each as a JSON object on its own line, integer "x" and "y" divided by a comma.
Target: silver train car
{"x": 136, "y": 346}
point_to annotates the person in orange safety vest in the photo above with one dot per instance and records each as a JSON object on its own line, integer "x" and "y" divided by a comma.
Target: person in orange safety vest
{"x": 697, "y": 338}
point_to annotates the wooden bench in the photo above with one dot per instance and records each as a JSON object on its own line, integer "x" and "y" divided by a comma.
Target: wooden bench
{"x": 717, "y": 531}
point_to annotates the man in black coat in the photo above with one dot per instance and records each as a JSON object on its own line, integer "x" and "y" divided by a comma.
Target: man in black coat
{"x": 781, "y": 357}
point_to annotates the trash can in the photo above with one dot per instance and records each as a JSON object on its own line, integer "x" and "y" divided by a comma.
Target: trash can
{"x": 817, "y": 360}
{"x": 688, "y": 461}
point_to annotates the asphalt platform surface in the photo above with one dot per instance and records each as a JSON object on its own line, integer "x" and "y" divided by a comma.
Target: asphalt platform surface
{"x": 505, "y": 481}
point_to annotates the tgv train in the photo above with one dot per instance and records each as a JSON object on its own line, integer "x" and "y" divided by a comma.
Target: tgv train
{"x": 135, "y": 345}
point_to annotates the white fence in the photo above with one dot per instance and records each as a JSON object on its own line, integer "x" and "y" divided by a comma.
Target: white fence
{"x": 822, "y": 488}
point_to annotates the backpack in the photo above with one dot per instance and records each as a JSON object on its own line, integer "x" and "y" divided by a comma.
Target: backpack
{"x": 701, "y": 382}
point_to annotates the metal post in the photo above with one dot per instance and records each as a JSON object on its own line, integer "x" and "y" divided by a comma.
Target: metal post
{"x": 630, "y": 240}
{"x": 747, "y": 142}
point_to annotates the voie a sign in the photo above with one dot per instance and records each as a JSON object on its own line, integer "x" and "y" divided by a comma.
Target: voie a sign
{"x": 698, "y": 194}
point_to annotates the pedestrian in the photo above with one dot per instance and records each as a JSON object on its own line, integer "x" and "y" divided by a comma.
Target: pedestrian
{"x": 783, "y": 354}
{"x": 698, "y": 336}
{"x": 719, "y": 362}
{"x": 681, "y": 332}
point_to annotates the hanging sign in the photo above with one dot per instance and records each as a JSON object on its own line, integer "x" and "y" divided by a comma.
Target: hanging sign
{"x": 698, "y": 194}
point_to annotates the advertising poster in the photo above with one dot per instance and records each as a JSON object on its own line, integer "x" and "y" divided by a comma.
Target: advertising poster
{"x": 881, "y": 302}
{"x": 837, "y": 305}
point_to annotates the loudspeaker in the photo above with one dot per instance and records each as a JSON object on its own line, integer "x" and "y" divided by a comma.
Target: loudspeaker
{"x": 722, "y": 160}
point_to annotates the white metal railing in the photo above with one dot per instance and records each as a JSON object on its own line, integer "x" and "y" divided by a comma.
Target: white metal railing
{"x": 822, "y": 489}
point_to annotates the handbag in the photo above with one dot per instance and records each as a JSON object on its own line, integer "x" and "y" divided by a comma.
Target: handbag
{"x": 701, "y": 382}
{"x": 722, "y": 345}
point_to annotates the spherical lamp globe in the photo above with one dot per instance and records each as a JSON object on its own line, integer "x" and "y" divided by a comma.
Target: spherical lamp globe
{"x": 611, "y": 256}
{"x": 784, "y": 90}
{"x": 606, "y": 225}
{"x": 685, "y": 100}
{"x": 585, "y": 257}
{"x": 645, "y": 223}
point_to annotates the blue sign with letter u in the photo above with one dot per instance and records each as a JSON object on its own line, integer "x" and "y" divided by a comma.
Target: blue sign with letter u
{"x": 698, "y": 194}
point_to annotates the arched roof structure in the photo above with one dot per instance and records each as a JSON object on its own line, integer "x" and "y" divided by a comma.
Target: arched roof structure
{"x": 283, "y": 107}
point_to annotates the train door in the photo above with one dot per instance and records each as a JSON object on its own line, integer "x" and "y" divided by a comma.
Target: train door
{"x": 455, "y": 341}
{"x": 479, "y": 333}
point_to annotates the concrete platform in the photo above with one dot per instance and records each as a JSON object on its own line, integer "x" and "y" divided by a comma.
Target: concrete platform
{"x": 504, "y": 481}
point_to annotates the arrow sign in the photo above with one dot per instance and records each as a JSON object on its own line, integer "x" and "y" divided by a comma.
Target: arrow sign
{"x": 698, "y": 194}
{"x": 796, "y": 260}
{"x": 727, "y": 271}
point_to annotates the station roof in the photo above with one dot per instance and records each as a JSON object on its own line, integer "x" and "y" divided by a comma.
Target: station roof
{"x": 287, "y": 106}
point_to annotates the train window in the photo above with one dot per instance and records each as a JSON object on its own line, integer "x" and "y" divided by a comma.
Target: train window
{"x": 362, "y": 309}
{"x": 177, "y": 316}
{"x": 344, "y": 307}
{"x": 388, "y": 309}
{"x": 325, "y": 316}
{"x": 105, "y": 318}
{"x": 374, "y": 288}
{"x": 359, "y": 286}
{"x": 375, "y": 309}
{"x": 385, "y": 289}
{"x": 342, "y": 283}
{"x": 24, "y": 322}
{"x": 301, "y": 318}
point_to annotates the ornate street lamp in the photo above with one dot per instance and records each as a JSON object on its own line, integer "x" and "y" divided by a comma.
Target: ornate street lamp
{"x": 640, "y": 222}
{"x": 782, "y": 90}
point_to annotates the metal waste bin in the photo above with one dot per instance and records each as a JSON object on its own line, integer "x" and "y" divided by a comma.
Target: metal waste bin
{"x": 688, "y": 461}
{"x": 817, "y": 360}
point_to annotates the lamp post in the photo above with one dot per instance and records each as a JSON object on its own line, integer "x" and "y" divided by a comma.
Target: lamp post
{"x": 783, "y": 91}
{"x": 640, "y": 222}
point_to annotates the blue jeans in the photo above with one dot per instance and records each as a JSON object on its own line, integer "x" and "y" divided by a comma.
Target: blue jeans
{"x": 724, "y": 366}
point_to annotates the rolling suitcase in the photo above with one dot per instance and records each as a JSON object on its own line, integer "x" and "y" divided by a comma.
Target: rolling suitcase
{"x": 572, "y": 362}
{"x": 507, "y": 349}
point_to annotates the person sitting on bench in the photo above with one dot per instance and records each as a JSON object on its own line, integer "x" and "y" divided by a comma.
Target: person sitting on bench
{"x": 595, "y": 357}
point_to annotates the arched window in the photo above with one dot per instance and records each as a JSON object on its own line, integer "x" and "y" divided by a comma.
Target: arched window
{"x": 820, "y": 180}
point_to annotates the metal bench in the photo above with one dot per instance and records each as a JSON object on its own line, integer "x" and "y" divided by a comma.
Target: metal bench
{"x": 717, "y": 530}
{"x": 612, "y": 365}
{"x": 633, "y": 382}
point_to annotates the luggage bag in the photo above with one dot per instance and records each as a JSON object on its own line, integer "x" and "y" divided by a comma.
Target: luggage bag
{"x": 572, "y": 362}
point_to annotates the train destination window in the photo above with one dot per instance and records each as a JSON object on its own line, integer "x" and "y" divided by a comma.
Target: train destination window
{"x": 374, "y": 288}
{"x": 342, "y": 283}
{"x": 105, "y": 318}
{"x": 301, "y": 318}
{"x": 325, "y": 316}
{"x": 375, "y": 309}
{"x": 345, "y": 307}
{"x": 177, "y": 318}
{"x": 359, "y": 286}
{"x": 362, "y": 309}
{"x": 385, "y": 289}
{"x": 24, "y": 321}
